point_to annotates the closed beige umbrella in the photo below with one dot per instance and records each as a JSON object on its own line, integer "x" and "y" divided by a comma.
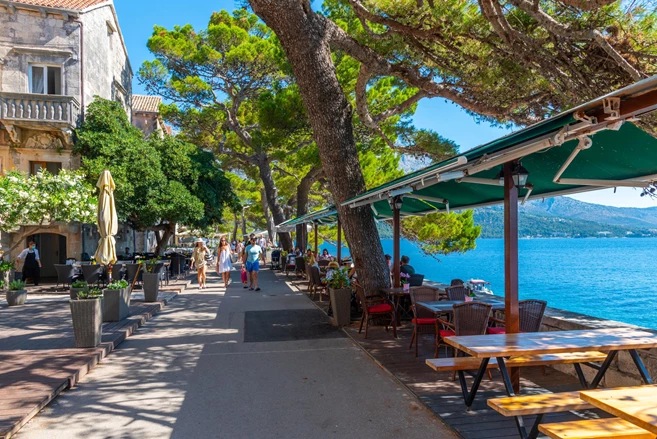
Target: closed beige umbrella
{"x": 108, "y": 222}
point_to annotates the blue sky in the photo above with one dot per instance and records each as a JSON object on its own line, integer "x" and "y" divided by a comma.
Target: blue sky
{"x": 137, "y": 19}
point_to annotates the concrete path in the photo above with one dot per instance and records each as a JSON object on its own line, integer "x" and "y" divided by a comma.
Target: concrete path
{"x": 237, "y": 364}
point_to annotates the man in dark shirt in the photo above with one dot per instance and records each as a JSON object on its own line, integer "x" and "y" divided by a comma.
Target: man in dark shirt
{"x": 405, "y": 267}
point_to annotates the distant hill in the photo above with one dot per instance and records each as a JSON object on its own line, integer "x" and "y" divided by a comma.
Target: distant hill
{"x": 563, "y": 216}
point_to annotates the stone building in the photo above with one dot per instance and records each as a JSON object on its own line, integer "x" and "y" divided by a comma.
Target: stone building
{"x": 55, "y": 56}
{"x": 146, "y": 115}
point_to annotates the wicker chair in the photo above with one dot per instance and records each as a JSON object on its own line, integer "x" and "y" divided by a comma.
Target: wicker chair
{"x": 299, "y": 266}
{"x": 456, "y": 292}
{"x": 374, "y": 306}
{"x": 323, "y": 262}
{"x": 65, "y": 274}
{"x": 470, "y": 318}
{"x": 531, "y": 317}
{"x": 92, "y": 273}
{"x": 131, "y": 272}
{"x": 424, "y": 321}
{"x": 309, "y": 277}
{"x": 317, "y": 285}
{"x": 456, "y": 282}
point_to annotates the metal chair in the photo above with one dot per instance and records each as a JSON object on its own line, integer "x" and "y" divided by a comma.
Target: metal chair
{"x": 290, "y": 264}
{"x": 375, "y": 306}
{"x": 299, "y": 265}
{"x": 424, "y": 321}
{"x": 530, "y": 313}
{"x": 118, "y": 272}
{"x": 65, "y": 274}
{"x": 416, "y": 280}
{"x": 131, "y": 272}
{"x": 456, "y": 292}
{"x": 92, "y": 273}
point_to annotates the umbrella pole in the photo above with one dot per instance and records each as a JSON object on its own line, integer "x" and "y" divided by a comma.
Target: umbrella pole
{"x": 512, "y": 318}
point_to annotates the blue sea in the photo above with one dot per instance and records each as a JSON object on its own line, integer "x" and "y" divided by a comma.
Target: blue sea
{"x": 602, "y": 277}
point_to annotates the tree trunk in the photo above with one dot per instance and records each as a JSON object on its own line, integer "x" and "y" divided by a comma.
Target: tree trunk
{"x": 235, "y": 224}
{"x": 305, "y": 40}
{"x": 271, "y": 193}
{"x": 243, "y": 224}
{"x": 303, "y": 190}
{"x": 271, "y": 226}
{"x": 168, "y": 230}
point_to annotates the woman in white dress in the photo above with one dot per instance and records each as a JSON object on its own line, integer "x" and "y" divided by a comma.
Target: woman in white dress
{"x": 224, "y": 264}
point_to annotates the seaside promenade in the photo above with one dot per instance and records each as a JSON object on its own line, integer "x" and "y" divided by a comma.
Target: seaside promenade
{"x": 234, "y": 363}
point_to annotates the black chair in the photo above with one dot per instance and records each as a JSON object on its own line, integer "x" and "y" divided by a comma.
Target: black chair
{"x": 131, "y": 272}
{"x": 92, "y": 273}
{"x": 65, "y": 274}
{"x": 300, "y": 265}
{"x": 177, "y": 267}
{"x": 416, "y": 280}
{"x": 118, "y": 272}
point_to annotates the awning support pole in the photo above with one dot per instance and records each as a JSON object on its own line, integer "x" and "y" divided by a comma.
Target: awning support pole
{"x": 511, "y": 313}
{"x": 396, "y": 252}
{"x": 316, "y": 242}
{"x": 339, "y": 241}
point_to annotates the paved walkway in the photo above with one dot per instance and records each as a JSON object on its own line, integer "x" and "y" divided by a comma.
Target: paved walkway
{"x": 237, "y": 364}
{"x": 38, "y": 358}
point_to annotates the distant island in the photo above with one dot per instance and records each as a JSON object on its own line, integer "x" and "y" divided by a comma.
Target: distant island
{"x": 564, "y": 217}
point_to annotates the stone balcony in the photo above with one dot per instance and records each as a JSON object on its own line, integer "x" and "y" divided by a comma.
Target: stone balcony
{"x": 38, "y": 112}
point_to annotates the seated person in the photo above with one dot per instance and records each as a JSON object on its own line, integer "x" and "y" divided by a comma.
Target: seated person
{"x": 126, "y": 256}
{"x": 325, "y": 256}
{"x": 404, "y": 266}
{"x": 331, "y": 269}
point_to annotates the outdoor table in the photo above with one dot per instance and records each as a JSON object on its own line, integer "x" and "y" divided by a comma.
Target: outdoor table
{"x": 447, "y": 306}
{"x": 398, "y": 293}
{"x": 501, "y": 346}
{"x": 637, "y": 405}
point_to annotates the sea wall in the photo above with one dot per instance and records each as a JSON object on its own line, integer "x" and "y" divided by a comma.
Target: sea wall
{"x": 622, "y": 372}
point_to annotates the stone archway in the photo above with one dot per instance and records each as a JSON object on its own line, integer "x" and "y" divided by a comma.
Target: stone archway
{"x": 52, "y": 250}
{"x": 71, "y": 233}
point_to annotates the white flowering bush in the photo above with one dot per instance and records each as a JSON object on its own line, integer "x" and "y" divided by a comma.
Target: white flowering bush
{"x": 45, "y": 198}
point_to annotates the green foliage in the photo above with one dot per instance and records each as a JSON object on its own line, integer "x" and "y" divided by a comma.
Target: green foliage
{"x": 16, "y": 285}
{"x": 339, "y": 279}
{"x": 122, "y": 283}
{"x": 115, "y": 286}
{"x": 442, "y": 233}
{"x": 44, "y": 197}
{"x": 159, "y": 180}
{"x": 6, "y": 266}
{"x": 149, "y": 265}
{"x": 80, "y": 284}
{"x": 94, "y": 293}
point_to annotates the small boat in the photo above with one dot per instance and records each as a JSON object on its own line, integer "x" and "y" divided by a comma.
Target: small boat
{"x": 479, "y": 286}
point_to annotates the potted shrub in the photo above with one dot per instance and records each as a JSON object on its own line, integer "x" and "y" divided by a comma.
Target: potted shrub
{"x": 339, "y": 287}
{"x": 77, "y": 287}
{"x": 16, "y": 293}
{"x": 87, "y": 315}
{"x": 116, "y": 302}
{"x": 151, "y": 281}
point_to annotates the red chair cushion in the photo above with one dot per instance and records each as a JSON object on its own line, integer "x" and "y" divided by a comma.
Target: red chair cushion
{"x": 496, "y": 330}
{"x": 446, "y": 332}
{"x": 380, "y": 308}
{"x": 424, "y": 321}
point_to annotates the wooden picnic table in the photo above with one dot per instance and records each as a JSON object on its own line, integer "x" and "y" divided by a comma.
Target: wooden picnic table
{"x": 503, "y": 346}
{"x": 637, "y": 405}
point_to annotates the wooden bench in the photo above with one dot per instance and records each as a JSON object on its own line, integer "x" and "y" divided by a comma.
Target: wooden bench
{"x": 452, "y": 364}
{"x": 595, "y": 429}
{"x": 538, "y": 404}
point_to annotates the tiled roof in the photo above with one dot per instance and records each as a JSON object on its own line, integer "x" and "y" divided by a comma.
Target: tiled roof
{"x": 146, "y": 104}
{"x": 64, "y": 4}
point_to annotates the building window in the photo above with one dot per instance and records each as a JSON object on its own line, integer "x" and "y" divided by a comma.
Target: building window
{"x": 52, "y": 167}
{"x": 45, "y": 80}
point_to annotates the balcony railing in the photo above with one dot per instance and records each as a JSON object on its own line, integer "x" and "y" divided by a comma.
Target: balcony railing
{"x": 33, "y": 109}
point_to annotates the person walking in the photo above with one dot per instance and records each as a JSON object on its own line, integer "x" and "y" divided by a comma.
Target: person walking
{"x": 224, "y": 263}
{"x": 252, "y": 258}
{"x": 31, "y": 264}
{"x": 199, "y": 261}
{"x": 262, "y": 242}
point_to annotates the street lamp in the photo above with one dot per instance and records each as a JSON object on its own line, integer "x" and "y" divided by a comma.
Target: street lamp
{"x": 396, "y": 203}
{"x": 519, "y": 175}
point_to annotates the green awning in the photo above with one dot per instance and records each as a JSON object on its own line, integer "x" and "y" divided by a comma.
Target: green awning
{"x": 325, "y": 216}
{"x": 590, "y": 147}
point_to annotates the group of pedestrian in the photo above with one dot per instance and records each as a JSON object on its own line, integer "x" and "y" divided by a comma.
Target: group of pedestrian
{"x": 250, "y": 255}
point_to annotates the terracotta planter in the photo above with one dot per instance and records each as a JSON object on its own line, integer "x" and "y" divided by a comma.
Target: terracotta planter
{"x": 16, "y": 297}
{"x": 87, "y": 315}
{"x": 116, "y": 304}
{"x": 341, "y": 305}
{"x": 151, "y": 286}
{"x": 73, "y": 292}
